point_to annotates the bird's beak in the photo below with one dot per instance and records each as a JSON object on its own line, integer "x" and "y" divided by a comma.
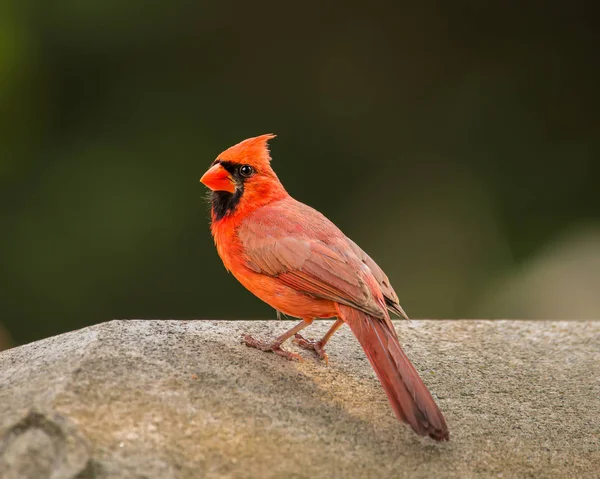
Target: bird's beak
{"x": 218, "y": 179}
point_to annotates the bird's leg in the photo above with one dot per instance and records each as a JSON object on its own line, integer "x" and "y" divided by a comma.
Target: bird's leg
{"x": 275, "y": 346}
{"x": 318, "y": 346}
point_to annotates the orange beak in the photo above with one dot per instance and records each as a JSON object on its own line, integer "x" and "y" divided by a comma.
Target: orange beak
{"x": 218, "y": 179}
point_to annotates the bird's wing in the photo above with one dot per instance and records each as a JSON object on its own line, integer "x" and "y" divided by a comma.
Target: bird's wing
{"x": 391, "y": 298}
{"x": 311, "y": 267}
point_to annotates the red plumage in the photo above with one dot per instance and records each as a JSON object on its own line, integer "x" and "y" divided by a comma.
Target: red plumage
{"x": 296, "y": 260}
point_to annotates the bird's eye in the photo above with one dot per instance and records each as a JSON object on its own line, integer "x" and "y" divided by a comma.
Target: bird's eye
{"x": 246, "y": 171}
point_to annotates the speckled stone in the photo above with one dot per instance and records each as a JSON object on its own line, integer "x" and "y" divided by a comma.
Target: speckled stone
{"x": 168, "y": 399}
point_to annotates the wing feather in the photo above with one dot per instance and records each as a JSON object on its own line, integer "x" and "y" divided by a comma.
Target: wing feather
{"x": 314, "y": 268}
{"x": 391, "y": 298}
{"x": 304, "y": 250}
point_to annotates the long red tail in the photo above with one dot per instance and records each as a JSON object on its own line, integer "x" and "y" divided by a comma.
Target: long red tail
{"x": 408, "y": 395}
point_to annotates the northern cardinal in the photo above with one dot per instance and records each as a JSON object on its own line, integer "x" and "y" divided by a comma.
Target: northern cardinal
{"x": 296, "y": 260}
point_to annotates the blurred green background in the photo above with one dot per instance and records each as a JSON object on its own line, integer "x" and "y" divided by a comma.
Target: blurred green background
{"x": 457, "y": 142}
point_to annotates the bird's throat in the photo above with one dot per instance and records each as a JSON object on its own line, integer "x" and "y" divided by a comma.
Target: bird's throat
{"x": 225, "y": 203}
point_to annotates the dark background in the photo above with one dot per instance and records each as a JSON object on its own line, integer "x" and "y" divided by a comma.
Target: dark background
{"x": 457, "y": 142}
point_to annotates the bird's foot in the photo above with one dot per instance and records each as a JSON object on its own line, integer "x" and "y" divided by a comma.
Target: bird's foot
{"x": 317, "y": 346}
{"x": 273, "y": 347}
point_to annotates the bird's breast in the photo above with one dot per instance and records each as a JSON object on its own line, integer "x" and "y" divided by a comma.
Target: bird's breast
{"x": 268, "y": 288}
{"x": 229, "y": 246}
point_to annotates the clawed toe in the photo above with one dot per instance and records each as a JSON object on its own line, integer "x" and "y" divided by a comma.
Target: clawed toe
{"x": 272, "y": 347}
{"x": 316, "y": 346}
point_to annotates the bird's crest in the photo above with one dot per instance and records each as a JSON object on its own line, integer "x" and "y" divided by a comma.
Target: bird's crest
{"x": 252, "y": 151}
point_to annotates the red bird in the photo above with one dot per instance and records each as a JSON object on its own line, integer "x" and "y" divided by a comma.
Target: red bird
{"x": 300, "y": 263}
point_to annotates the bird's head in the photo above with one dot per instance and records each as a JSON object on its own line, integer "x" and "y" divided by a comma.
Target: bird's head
{"x": 241, "y": 178}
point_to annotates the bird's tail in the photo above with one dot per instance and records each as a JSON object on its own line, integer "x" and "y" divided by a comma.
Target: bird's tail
{"x": 408, "y": 395}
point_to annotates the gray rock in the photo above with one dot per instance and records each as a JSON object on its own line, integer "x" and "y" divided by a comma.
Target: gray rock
{"x": 166, "y": 399}
{"x": 43, "y": 445}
